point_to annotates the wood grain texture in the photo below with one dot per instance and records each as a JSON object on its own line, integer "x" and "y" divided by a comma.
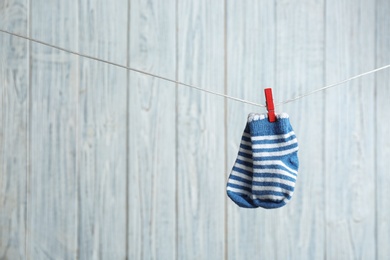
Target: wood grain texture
{"x": 151, "y": 131}
{"x": 280, "y": 45}
{"x": 349, "y": 131}
{"x": 14, "y": 83}
{"x": 200, "y": 136}
{"x": 53, "y": 198}
{"x": 299, "y": 227}
{"x": 102, "y": 117}
{"x": 251, "y": 67}
{"x": 100, "y": 163}
{"x": 382, "y": 108}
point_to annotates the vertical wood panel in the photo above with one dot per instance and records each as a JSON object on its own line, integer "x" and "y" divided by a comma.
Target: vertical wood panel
{"x": 200, "y": 123}
{"x": 349, "y": 131}
{"x": 299, "y": 228}
{"x": 151, "y": 131}
{"x": 115, "y": 152}
{"x": 14, "y": 85}
{"x": 382, "y": 128}
{"x": 54, "y": 90}
{"x": 250, "y": 68}
{"x": 102, "y": 133}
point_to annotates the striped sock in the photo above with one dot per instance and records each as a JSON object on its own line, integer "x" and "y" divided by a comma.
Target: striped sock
{"x": 266, "y": 168}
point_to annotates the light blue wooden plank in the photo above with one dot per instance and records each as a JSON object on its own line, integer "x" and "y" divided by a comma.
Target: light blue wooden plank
{"x": 52, "y": 216}
{"x": 67, "y": 142}
{"x": 251, "y": 65}
{"x": 152, "y": 131}
{"x": 14, "y": 62}
{"x": 200, "y": 125}
{"x": 298, "y": 229}
{"x": 382, "y": 108}
{"x": 102, "y": 117}
{"x": 286, "y": 54}
{"x": 349, "y": 131}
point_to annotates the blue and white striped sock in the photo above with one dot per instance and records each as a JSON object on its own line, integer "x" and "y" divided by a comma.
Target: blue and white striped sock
{"x": 266, "y": 168}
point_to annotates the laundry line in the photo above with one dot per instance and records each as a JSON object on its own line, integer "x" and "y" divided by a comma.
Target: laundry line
{"x": 192, "y": 86}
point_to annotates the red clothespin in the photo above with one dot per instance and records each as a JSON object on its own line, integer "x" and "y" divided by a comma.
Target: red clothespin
{"x": 270, "y": 104}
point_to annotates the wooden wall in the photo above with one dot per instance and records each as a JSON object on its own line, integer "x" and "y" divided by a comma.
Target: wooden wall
{"x": 100, "y": 163}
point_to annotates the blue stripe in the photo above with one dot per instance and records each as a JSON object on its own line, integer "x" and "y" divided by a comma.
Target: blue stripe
{"x": 264, "y": 127}
{"x": 276, "y": 149}
{"x": 270, "y": 204}
{"x": 273, "y": 175}
{"x": 272, "y": 166}
{"x": 247, "y": 139}
{"x": 240, "y": 179}
{"x": 249, "y": 164}
{"x": 242, "y": 171}
{"x": 246, "y": 155}
{"x": 239, "y": 187}
{"x": 246, "y": 147}
{"x": 281, "y": 140}
{"x": 270, "y": 192}
{"x": 274, "y": 184}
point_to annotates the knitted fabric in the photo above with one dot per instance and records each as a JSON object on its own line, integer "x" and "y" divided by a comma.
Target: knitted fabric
{"x": 266, "y": 167}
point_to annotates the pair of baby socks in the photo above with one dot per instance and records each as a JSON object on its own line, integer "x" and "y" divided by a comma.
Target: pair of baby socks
{"x": 266, "y": 168}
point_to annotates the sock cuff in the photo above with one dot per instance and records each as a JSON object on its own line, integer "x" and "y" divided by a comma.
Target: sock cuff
{"x": 260, "y": 125}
